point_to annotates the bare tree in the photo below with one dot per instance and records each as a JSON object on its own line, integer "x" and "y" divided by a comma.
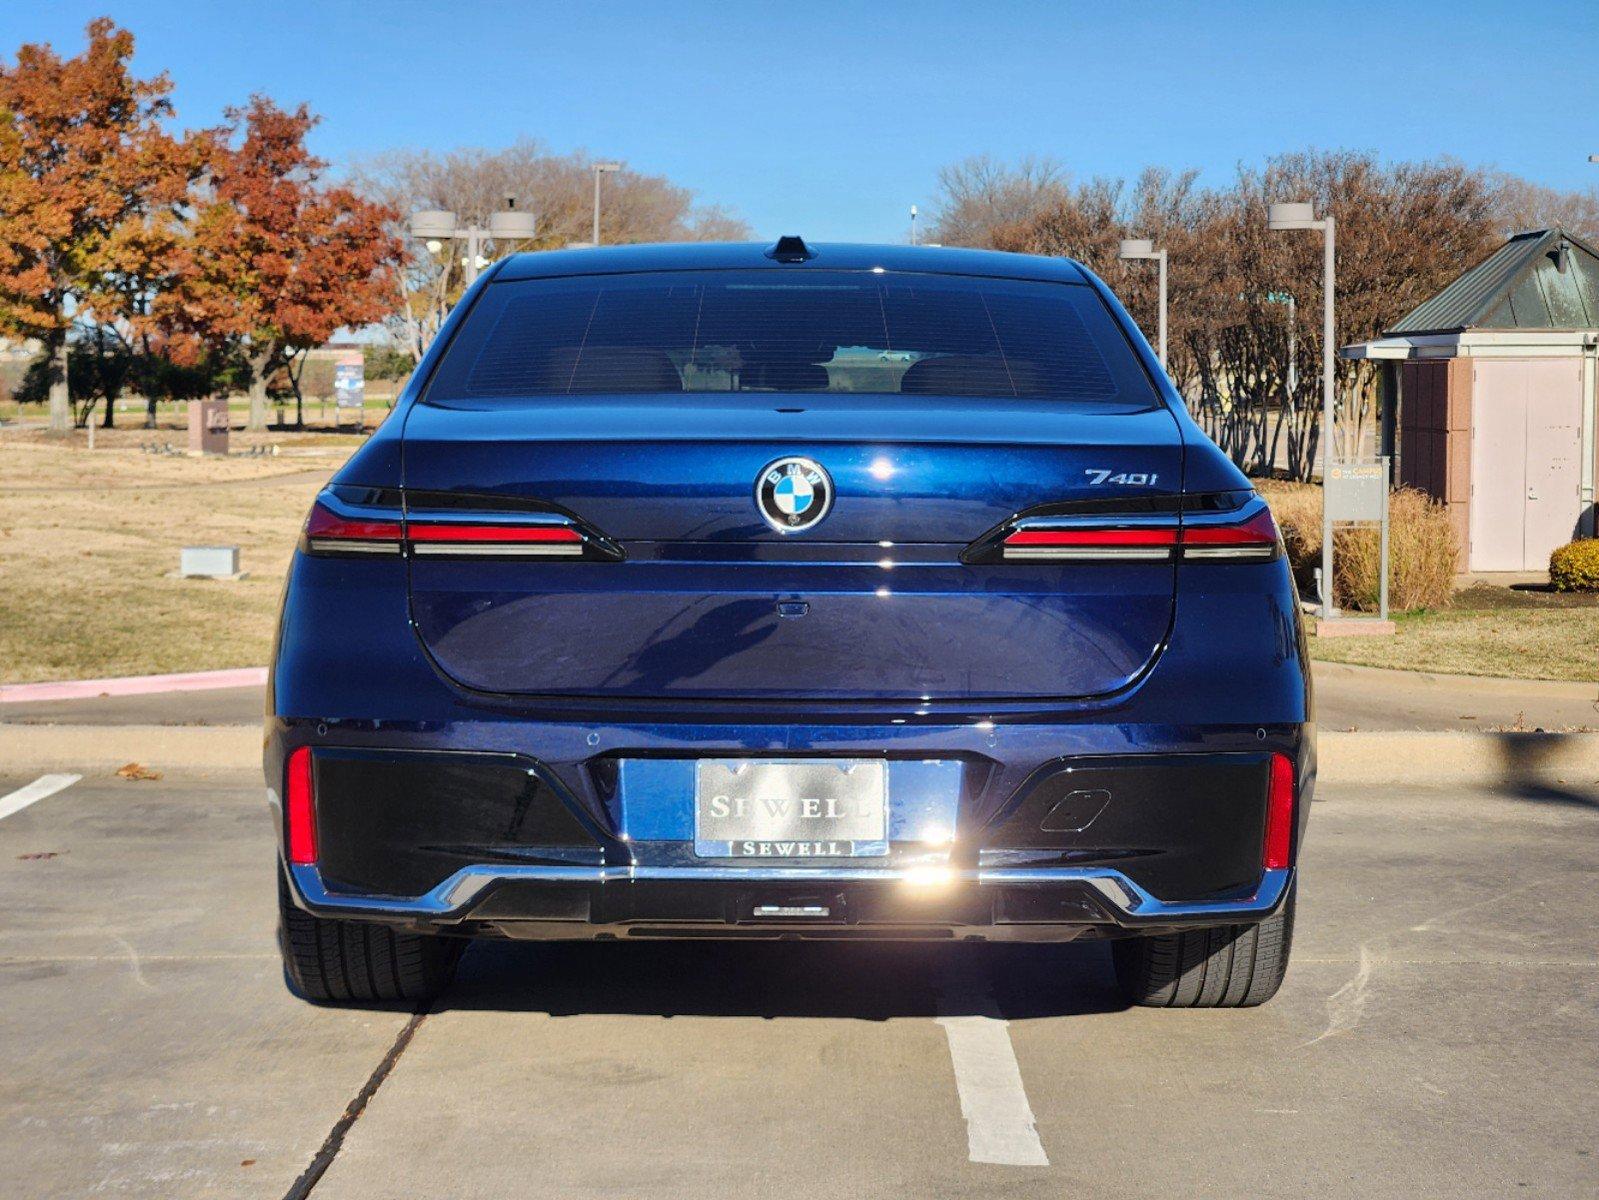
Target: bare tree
{"x": 1520, "y": 204}
{"x": 557, "y": 189}
{"x": 1403, "y": 232}
{"x": 980, "y": 196}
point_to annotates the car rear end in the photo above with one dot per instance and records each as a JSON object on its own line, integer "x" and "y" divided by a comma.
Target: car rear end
{"x": 867, "y": 593}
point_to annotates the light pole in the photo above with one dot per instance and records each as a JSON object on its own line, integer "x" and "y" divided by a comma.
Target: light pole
{"x": 1136, "y": 248}
{"x": 601, "y": 168}
{"x": 1303, "y": 216}
{"x": 435, "y": 226}
{"x": 913, "y": 224}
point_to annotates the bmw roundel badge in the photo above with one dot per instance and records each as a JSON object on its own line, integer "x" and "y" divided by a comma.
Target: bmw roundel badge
{"x": 793, "y": 494}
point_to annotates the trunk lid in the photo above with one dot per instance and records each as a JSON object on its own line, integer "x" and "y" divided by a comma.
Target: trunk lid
{"x": 873, "y": 603}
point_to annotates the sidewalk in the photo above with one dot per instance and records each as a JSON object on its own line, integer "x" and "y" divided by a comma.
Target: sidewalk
{"x": 1347, "y": 698}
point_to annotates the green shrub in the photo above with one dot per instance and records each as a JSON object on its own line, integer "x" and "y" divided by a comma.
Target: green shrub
{"x": 1422, "y": 551}
{"x": 1574, "y": 567}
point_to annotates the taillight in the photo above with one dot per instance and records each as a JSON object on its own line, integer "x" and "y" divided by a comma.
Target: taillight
{"x": 1251, "y": 540}
{"x": 1199, "y": 537}
{"x": 338, "y": 526}
{"x": 1090, "y": 543}
{"x": 501, "y": 540}
{"x": 299, "y": 807}
{"x": 328, "y": 532}
{"x": 1279, "y": 813}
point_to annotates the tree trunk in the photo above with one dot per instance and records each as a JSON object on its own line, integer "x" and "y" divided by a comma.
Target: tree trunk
{"x": 109, "y": 422}
{"x": 258, "y": 391}
{"x": 60, "y": 396}
{"x": 149, "y": 412}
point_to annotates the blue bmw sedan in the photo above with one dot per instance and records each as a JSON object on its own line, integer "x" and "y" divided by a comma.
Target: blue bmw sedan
{"x": 789, "y": 591}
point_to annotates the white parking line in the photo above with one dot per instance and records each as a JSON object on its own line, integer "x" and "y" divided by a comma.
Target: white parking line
{"x": 45, "y": 785}
{"x": 999, "y": 1121}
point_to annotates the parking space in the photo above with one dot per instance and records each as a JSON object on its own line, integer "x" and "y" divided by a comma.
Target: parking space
{"x": 1438, "y": 1035}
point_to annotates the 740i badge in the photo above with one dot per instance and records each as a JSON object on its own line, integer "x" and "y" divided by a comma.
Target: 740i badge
{"x": 793, "y": 494}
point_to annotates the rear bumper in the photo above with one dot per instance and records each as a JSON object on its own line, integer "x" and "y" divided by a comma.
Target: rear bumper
{"x": 1000, "y": 903}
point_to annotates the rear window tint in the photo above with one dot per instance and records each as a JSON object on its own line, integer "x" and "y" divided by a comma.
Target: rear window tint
{"x": 816, "y": 331}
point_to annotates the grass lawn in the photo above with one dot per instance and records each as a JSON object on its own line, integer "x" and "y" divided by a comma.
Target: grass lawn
{"x": 1489, "y": 630}
{"x": 87, "y": 542}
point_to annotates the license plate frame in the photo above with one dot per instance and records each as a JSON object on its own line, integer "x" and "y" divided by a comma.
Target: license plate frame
{"x": 841, "y": 804}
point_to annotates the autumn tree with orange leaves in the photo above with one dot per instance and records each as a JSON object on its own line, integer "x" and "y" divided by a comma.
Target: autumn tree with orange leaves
{"x": 91, "y": 189}
{"x": 276, "y": 261}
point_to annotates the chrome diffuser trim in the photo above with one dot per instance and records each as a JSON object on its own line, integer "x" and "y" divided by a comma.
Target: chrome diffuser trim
{"x": 1127, "y": 902}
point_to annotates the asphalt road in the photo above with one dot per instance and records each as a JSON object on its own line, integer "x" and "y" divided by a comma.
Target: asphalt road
{"x": 1438, "y": 1035}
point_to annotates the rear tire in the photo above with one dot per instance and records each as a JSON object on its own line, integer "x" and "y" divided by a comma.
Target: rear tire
{"x": 1229, "y": 966}
{"x": 342, "y": 962}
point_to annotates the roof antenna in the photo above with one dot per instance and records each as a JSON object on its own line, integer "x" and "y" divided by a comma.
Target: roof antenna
{"x": 791, "y": 248}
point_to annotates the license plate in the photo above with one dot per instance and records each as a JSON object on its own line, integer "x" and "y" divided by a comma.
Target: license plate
{"x": 779, "y": 809}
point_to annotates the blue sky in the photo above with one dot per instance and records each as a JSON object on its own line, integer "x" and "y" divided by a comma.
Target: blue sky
{"x": 831, "y": 119}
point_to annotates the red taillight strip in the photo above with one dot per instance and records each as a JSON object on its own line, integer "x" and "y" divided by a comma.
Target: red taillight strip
{"x": 1278, "y": 842}
{"x": 299, "y": 807}
{"x": 517, "y": 540}
{"x": 1092, "y": 537}
{"x": 1254, "y": 539}
{"x": 327, "y": 532}
{"x": 1062, "y": 545}
{"x": 330, "y": 532}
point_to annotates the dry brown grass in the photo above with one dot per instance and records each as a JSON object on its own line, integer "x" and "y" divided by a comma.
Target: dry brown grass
{"x": 1421, "y": 547}
{"x": 88, "y": 542}
{"x": 1518, "y": 643}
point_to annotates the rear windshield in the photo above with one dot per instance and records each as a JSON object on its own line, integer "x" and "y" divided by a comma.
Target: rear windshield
{"x": 812, "y": 331}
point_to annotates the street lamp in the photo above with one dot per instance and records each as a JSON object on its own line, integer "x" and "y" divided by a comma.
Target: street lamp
{"x": 1137, "y": 248}
{"x": 436, "y": 226}
{"x": 913, "y": 224}
{"x": 1303, "y": 216}
{"x": 601, "y": 168}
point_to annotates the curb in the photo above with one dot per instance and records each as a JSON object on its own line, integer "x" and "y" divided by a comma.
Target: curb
{"x": 102, "y": 749}
{"x": 1343, "y": 758}
{"x": 133, "y": 685}
{"x": 1413, "y": 758}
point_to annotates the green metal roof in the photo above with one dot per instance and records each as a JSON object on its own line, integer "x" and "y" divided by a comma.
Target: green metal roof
{"x": 1518, "y": 286}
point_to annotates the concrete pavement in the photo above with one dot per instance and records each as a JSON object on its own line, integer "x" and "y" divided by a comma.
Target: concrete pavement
{"x": 1438, "y": 1034}
{"x": 1347, "y": 698}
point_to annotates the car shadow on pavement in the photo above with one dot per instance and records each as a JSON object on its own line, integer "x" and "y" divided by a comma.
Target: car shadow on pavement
{"x": 1528, "y": 771}
{"x": 860, "y": 981}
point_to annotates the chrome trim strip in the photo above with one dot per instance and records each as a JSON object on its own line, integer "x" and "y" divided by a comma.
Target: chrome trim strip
{"x": 1259, "y": 552}
{"x": 1128, "y": 902}
{"x": 1082, "y": 553}
{"x": 484, "y": 516}
{"x": 497, "y": 549}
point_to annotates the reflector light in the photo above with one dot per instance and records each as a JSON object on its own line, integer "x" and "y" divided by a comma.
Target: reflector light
{"x": 300, "y": 808}
{"x": 1279, "y": 813}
